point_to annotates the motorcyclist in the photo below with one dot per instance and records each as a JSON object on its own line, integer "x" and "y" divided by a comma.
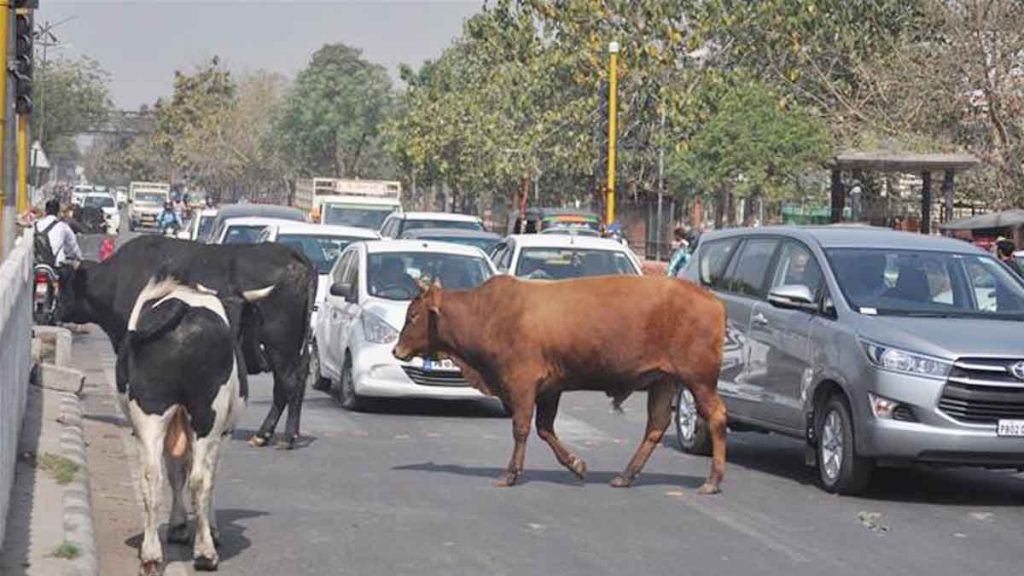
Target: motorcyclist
{"x": 62, "y": 238}
{"x": 169, "y": 219}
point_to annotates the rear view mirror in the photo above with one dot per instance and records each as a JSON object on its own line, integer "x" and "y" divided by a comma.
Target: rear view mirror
{"x": 792, "y": 296}
{"x": 343, "y": 291}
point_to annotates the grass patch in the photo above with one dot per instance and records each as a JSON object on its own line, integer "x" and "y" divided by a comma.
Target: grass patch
{"x": 62, "y": 469}
{"x": 66, "y": 550}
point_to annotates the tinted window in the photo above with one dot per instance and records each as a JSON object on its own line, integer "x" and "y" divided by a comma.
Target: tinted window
{"x": 457, "y": 224}
{"x": 243, "y": 234}
{"x": 393, "y": 275}
{"x": 322, "y": 251}
{"x": 714, "y": 257}
{"x": 748, "y": 275}
{"x": 562, "y": 263}
{"x": 797, "y": 267}
{"x": 359, "y": 216}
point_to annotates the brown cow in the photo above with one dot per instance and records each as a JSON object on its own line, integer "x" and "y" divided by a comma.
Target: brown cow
{"x": 528, "y": 341}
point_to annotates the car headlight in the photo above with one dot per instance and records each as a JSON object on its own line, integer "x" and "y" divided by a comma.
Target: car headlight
{"x": 897, "y": 360}
{"x": 377, "y": 330}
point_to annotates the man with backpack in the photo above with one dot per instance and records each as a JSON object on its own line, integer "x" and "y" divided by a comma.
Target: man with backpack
{"x": 55, "y": 242}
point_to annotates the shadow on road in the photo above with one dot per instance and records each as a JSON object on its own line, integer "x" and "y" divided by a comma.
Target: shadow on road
{"x": 554, "y": 476}
{"x": 14, "y": 552}
{"x": 232, "y": 536}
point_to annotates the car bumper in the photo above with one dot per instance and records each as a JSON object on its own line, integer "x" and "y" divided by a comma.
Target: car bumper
{"x": 377, "y": 373}
{"x": 936, "y": 438}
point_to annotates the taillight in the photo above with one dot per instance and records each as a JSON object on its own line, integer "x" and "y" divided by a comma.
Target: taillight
{"x": 42, "y": 277}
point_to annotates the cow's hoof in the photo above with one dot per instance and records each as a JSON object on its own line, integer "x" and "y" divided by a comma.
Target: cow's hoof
{"x": 179, "y": 534}
{"x": 151, "y": 568}
{"x": 708, "y": 488}
{"x": 204, "y": 564}
{"x": 285, "y": 444}
{"x": 578, "y": 467}
{"x": 507, "y": 479}
{"x": 257, "y": 441}
{"x": 621, "y": 482}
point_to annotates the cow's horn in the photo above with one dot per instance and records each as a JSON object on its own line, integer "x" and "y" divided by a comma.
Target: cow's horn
{"x": 206, "y": 290}
{"x": 254, "y": 295}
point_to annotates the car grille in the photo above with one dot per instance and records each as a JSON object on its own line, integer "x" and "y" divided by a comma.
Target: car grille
{"x": 982, "y": 391}
{"x": 435, "y": 378}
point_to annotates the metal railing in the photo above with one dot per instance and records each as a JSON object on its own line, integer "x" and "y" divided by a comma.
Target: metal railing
{"x": 15, "y": 359}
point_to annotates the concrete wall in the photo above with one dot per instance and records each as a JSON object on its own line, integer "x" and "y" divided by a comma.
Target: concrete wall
{"x": 15, "y": 359}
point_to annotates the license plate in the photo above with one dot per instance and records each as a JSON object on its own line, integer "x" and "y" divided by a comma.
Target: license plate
{"x": 40, "y": 289}
{"x": 443, "y": 364}
{"x": 1014, "y": 428}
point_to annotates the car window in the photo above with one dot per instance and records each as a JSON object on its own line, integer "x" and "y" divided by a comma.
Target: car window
{"x": 342, "y": 268}
{"x": 563, "y": 263}
{"x": 498, "y": 255}
{"x": 714, "y": 256}
{"x": 748, "y": 275}
{"x": 243, "y": 234}
{"x": 394, "y": 275}
{"x": 797, "y": 267}
{"x": 451, "y": 224}
{"x": 322, "y": 251}
{"x": 351, "y": 276}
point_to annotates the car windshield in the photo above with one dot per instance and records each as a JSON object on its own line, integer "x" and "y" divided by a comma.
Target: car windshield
{"x": 322, "y": 251}
{"x": 456, "y": 224}
{"x": 243, "y": 234}
{"x": 150, "y": 197}
{"x": 359, "y": 216}
{"x": 394, "y": 275}
{"x": 572, "y": 231}
{"x": 562, "y": 263}
{"x": 485, "y": 244}
{"x": 915, "y": 283}
{"x": 205, "y": 224}
{"x": 98, "y": 202}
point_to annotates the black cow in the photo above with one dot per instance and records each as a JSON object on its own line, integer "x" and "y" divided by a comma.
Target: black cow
{"x": 181, "y": 382}
{"x": 277, "y": 339}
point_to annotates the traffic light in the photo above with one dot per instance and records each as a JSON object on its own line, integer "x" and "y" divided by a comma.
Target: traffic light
{"x": 23, "y": 57}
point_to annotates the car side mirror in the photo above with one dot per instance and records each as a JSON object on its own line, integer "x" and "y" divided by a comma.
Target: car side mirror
{"x": 343, "y": 291}
{"x": 792, "y": 296}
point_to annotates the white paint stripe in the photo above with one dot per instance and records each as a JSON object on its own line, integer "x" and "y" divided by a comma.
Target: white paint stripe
{"x": 572, "y": 429}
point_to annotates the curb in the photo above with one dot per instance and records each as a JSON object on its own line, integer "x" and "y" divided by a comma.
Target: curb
{"x": 78, "y": 528}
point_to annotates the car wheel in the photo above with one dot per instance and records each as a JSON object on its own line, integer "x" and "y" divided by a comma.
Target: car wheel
{"x": 691, "y": 430}
{"x": 315, "y": 379}
{"x": 840, "y": 469}
{"x": 347, "y": 387}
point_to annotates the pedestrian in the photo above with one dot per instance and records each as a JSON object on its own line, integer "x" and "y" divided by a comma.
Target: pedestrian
{"x": 1004, "y": 251}
{"x": 680, "y": 252}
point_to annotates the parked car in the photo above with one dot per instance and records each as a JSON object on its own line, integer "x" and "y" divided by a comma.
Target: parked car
{"x": 200, "y": 225}
{"x": 321, "y": 243}
{"x": 242, "y": 230}
{"x": 372, "y": 285}
{"x": 485, "y": 241}
{"x": 399, "y": 222}
{"x": 108, "y": 205}
{"x": 871, "y": 346}
{"x": 559, "y": 256}
{"x": 247, "y": 210}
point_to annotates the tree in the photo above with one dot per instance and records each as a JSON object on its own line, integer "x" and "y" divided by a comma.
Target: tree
{"x": 71, "y": 97}
{"x": 332, "y": 118}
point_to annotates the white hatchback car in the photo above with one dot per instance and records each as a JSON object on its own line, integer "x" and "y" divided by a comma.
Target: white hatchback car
{"x": 399, "y": 223}
{"x": 364, "y": 311}
{"x": 321, "y": 243}
{"x": 560, "y": 256}
{"x": 242, "y": 230}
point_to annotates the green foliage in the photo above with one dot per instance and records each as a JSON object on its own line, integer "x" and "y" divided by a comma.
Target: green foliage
{"x": 66, "y": 551}
{"x": 71, "y": 97}
{"x": 61, "y": 468}
{"x": 330, "y": 123}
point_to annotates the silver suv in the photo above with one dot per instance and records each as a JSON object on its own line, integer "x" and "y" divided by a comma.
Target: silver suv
{"x": 873, "y": 346}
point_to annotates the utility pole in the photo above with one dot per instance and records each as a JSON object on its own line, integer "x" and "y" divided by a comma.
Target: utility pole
{"x": 7, "y": 199}
{"x": 661, "y": 186}
{"x": 613, "y": 85}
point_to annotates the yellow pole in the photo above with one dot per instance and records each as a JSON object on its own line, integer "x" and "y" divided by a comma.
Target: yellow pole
{"x": 613, "y": 87}
{"x": 5, "y": 14}
{"x": 23, "y": 200}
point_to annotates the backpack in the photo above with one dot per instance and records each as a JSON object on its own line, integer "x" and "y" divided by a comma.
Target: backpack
{"x": 43, "y": 249}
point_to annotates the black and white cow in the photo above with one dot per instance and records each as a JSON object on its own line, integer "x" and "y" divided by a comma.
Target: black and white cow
{"x": 181, "y": 381}
{"x": 277, "y": 337}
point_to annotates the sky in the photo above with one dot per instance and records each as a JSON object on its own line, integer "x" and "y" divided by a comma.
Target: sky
{"x": 142, "y": 42}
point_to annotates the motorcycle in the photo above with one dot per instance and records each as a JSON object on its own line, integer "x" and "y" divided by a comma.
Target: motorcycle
{"x": 44, "y": 300}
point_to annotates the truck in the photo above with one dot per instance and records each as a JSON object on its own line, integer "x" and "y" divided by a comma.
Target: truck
{"x": 146, "y": 202}
{"x": 359, "y": 203}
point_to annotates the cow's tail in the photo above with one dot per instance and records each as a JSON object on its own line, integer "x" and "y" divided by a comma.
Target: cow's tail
{"x": 618, "y": 398}
{"x": 157, "y": 321}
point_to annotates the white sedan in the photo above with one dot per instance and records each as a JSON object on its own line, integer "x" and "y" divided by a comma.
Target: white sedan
{"x": 559, "y": 257}
{"x": 364, "y": 311}
{"x": 322, "y": 244}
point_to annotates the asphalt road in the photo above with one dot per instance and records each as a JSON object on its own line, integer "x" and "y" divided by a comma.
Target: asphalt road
{"x": 407, "y": 489}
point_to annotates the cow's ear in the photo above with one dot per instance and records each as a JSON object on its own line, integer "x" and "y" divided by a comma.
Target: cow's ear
{"x": 424, "y": 285}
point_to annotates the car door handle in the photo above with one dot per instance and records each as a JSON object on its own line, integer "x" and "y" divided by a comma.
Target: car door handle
{"x": 759, "y": 319}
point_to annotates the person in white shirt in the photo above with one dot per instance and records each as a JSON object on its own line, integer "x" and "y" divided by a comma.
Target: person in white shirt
{"x": 62, "y": 238}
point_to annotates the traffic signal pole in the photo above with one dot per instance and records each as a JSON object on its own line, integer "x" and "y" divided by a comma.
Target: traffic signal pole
{"x": 613, "y": 88}
{"x": 24, "y": 31}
